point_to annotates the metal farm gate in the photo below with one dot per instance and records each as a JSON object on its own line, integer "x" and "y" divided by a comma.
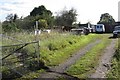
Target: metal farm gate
{"x": 19, "y": 59}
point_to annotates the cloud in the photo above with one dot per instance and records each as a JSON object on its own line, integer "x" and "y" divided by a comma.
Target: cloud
{"x": 11, "y": 2}
{"x": 6, "y": 9}
{"x": 88, "y": 10}
{"x": 20, "y": 7}
{"x": 16, "y": 3}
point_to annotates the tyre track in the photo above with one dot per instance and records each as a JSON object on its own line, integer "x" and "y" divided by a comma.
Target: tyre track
{"x": 58, "y": 71}
{"x": 104, "y": 62}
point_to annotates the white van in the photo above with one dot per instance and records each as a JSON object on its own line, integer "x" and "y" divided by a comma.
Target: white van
{"x": 100, "y": 28}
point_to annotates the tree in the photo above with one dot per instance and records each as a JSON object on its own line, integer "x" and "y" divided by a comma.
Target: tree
{"x": 15, "y": 17}
{"x": 40, "y": 11}
{"x": 10, "y": 23}
{"x": 66, "y": 17}
{"x": 12, "y": 17}
{"x": 9, "y": 27}
{"x": 27, "y": 23}
{"x": 40, "y": 14}
{"x": 108, "y": 21}
{"x": 106, "y": 18}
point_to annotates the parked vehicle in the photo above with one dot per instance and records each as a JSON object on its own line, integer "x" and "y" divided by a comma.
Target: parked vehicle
{"x": 77, "y": 31}
{"x": 86, "y": 31}
{"x": 116, "y": 31}
{"x": 100, "y": 28}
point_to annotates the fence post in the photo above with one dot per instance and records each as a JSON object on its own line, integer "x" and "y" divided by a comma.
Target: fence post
{"x": 37, "y": 39}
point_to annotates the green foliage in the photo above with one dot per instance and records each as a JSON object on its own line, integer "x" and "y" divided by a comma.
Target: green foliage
{"x": 27, "y": 23}
{"x": 58, "y": 45}
{"x": 42, "y": 24}
{"x": 12, "y": 17}
{"x": 40, "y": 14}
{"x": 35, "y": 64}
{"x": 108, "y": 21}
{"x": 66, "y": 18}
{"x": 106, "y": 18}
{"x": 31, "y": 75}
{"x": 40, "y": 11}
{"x": 63, "y": 47}
{"x": 9, "y": 27}
{"x": 114, "y": 72}
{"x": 7, "y": 73}
{"x": 49, "y": 19}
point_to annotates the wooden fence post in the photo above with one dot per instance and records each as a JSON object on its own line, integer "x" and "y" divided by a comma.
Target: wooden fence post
{"x": 38, "y": 41}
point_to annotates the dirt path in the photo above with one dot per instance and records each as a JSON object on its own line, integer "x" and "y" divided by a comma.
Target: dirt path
{"x": 62, "y": 67}
{"x": 58, "y": 71}
{"x": 104, "y": 62}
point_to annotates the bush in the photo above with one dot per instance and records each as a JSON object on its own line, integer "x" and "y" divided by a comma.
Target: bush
{"x": 52, "y": 47}
{"x": 35, "y": 64}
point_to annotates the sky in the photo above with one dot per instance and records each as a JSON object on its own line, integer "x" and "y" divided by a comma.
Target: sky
{"x": 87, "y": 10}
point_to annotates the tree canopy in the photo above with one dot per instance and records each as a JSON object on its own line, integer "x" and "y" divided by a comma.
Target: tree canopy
{"x": 40, "y": 11}
{"x": 108, "y": 21}
{"x": 106, "y": 18}
{"x": 40, "y": 14}
{"x": 43, "y": 16}
{"x": 66, "y": 17}
{"x": 12, "y": 17}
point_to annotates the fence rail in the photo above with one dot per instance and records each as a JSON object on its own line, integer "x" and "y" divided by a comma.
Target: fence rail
{"x": 20, "y": 44}
{"x": 18, "y": 58}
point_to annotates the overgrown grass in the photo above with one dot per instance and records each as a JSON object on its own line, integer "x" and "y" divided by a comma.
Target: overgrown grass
{"x": 32, "y": 75}
{"x": 84, "y": 66}
{"x": 55, "y": 48}
{"x": 114, "y": 72}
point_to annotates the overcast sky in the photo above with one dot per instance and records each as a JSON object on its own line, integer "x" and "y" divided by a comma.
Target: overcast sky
{"x": 87, "y": 10}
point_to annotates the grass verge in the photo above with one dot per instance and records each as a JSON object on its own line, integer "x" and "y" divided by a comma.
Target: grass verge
{"x": 58, "y": 50}
{"x": 114, "y": 72}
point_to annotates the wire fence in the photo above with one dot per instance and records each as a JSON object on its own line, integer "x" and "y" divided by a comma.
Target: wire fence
{"x": 19, "y": 59}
